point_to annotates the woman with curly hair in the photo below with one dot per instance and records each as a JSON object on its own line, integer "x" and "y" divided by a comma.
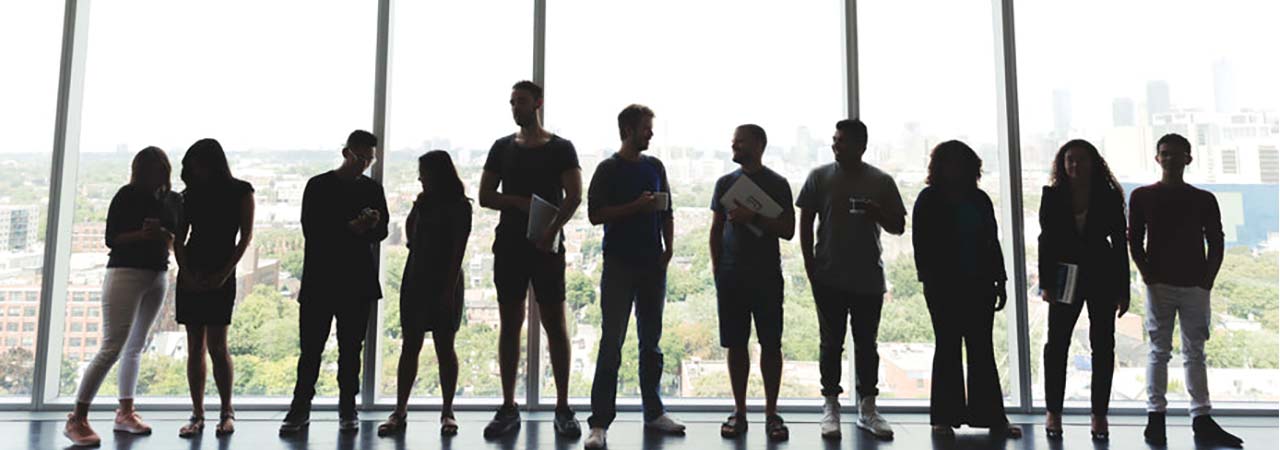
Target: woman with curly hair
{"x": 958, "y": 258}
{"x": 1082, "y": 223}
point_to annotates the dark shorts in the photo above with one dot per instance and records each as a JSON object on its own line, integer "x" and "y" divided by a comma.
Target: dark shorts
{"x": 741, "y": 297}
{"x": 516, "y": 266}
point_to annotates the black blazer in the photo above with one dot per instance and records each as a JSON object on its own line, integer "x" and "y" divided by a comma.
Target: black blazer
{"x": 1101, "y": 251}
{"x": 934, "y": 236}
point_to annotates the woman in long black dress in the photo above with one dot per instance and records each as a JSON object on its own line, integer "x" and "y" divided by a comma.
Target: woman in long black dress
{"x": 431, "y": 290}
{"x": 220, "y": 208}
{"x": 958, "y": 258}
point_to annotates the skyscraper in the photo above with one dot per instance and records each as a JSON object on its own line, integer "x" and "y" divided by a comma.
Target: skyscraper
{"x": 1224, "y": 87}
{"x": 1122, "y": 112}
{"x": 1061, "y": 112}
{"x": 1157, "y": 97}
{"x": 18, "y": 226}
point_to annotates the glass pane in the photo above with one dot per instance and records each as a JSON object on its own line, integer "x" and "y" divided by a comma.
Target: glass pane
{"x": 30, "y": 32}
{"x": 1128, "y": 79}
{"x": 454, "y": 98}
{"x": 919, "y": 90}
{"x": 280, "y": 88}
{"x": 710, "y": 67}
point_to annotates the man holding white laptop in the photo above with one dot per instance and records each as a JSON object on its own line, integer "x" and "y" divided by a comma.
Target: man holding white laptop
{"x": 752, "y": 208}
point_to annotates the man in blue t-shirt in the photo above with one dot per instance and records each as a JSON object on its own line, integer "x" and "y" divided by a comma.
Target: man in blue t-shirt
{"x": 630, "y": 196}
{"x": 748, "y": 272}
{"x": 853, "y": 201}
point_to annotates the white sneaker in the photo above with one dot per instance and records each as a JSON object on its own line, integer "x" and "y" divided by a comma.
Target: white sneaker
{"x": 595, "y": 440}
{"x": 666, "y": 424}
{"x": 869, "y": 419}
{"x": 831, "y": 418}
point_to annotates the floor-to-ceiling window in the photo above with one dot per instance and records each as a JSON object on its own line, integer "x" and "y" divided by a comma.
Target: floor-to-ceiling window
{"x": 1121, "y": 75}
{"x": 30, "y": 32}
{"x": 279, "y": 84}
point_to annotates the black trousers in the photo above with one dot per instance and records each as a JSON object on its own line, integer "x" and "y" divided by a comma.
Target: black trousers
{"x": 861, "y": 313}
{"x": 963, "y": 315}
{"x": 315, "y": 319}
{"x": 1102, "y": 339}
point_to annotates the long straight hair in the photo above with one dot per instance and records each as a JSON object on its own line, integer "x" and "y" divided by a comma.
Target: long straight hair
{"x": 443, "y": 183}
{"x": 147, "y": 159}
{"x": 207, "y": 154}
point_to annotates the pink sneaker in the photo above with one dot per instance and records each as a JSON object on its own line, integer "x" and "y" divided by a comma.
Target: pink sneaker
{"x": 79, "y": 432}
{"x": 131, "y": 423}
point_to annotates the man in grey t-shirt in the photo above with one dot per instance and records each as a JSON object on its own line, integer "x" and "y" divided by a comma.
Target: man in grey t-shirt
{"x": 853, "y": 201}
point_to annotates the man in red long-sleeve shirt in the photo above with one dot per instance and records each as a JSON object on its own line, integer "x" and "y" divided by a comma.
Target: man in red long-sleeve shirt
{"x": 1175, "y": 220}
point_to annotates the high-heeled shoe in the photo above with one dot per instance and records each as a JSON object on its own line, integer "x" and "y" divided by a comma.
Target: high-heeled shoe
{"x": 1099, "y": 430}
{"x": 1053, "y": 426}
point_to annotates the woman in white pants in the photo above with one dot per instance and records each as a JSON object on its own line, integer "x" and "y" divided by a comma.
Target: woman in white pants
{"x": 139, "y": 221}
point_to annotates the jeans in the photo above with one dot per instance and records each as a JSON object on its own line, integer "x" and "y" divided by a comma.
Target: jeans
{"x": 131, "y": 298}
{"x": 1190, "y": 306}
{"x": 622, "y": 284}
{"x": 1102, "y": 340}
{"x": 314, "y": 321}
{"x": 862, "y": 311}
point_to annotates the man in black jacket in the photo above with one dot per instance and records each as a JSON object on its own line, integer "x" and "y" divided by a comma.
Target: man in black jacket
{"x": 344, "y": 217}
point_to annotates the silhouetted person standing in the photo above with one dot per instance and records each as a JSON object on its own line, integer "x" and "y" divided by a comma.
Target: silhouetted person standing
{"x": 630, "y": 196}
{"x": 748, "y": 273}
{"x": 139, "y": 233}
{"x": 958, "y": 258}
{"x": 343, "y": 220}
{"x": 1169, "y": 224}
{"x": 1082, "y": 222}
{"x": 219, "y": 208}
{"x": 432, "y": 288}
{"x": 530, "y": 162}
{"x": 853, "y": 201}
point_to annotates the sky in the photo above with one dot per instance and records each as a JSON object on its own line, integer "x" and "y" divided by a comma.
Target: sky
{"x": 290, "y": 74}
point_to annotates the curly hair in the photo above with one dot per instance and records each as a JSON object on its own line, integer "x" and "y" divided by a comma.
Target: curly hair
{"x": 958, "y": 154}
{"x": 1102, "y": 177}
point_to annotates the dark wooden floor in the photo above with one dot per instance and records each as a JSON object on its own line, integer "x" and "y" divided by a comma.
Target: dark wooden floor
{"x": 259, "y": 432}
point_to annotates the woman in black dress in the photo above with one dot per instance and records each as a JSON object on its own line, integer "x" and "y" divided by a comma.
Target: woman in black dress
{"x": 431, "y": 290}
{"x": 958, "y": 258}
{"x": 220, "y": 208}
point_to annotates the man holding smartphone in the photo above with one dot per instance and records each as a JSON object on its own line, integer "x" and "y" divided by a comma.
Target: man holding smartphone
{"x": 344, "y": 217}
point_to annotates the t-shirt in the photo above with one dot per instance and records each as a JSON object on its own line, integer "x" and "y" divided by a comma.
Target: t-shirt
{"x": 742, "y": 251}
{"x": 129, "y": 209}
{"x": 1175, "y": 221}
{"x": 847, "y": 252}
{"x": 618, "y": 181}
{"x": 525, "y": 171}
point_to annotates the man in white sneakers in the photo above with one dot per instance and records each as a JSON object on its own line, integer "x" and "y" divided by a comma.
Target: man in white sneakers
{"x": 853, "y": 201}
{"x": 630, "y": 196}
